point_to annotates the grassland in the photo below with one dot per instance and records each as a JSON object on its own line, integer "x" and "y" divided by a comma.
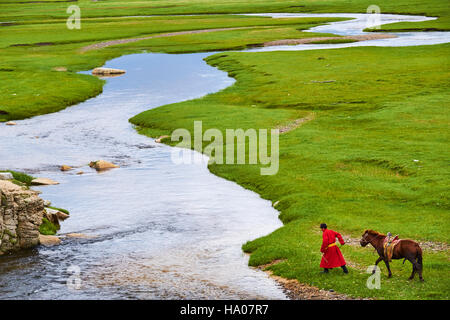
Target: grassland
{"x": 34, "y": 40}
{"x": 27, "y": 11}
{"x": 32, "y": 54}
{"x": 353, "y": 166}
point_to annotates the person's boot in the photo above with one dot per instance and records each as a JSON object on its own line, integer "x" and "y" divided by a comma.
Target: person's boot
{"x": 344, "y": 268}
{"x": 325, "y": 270}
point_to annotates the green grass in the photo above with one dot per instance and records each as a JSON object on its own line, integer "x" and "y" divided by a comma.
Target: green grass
{"x": 29, "y": 12}
{"x": 20, "y": 178}
{"x": 59, "y": 209}
{"x": 352, "y": 166}
{"x": 47, "y": 228}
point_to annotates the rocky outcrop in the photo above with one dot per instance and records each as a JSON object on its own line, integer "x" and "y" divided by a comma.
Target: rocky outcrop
{"x": 21, "y": 213}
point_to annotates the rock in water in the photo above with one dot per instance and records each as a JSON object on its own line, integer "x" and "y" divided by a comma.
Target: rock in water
{"x": 102, "y": 165}
{"x": 43, "y": 182}
{"x": 21, "y": 213}
{"x": 65, "y": 168}
{"x": 79, "y": 236}
{"x": 107, "y": 71}
{"x": 54, "y": 216}
{"x": 10, "y": 123}
{"x": 6, "y": 176}
{"x": 49, "y": 240}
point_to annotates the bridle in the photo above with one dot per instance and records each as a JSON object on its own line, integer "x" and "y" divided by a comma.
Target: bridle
{"x": 364, "y": 238}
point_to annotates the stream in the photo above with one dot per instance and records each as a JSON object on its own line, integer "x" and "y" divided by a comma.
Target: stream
{"x": 154, "y": 229}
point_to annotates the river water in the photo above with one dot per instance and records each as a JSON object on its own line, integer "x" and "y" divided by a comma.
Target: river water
{"x": 155, "y": 229}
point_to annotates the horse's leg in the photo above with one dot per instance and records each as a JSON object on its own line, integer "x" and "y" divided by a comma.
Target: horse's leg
{"x": 414, "y": 265}
{"x": 376, "y": 264}
{"x": 387, "y": 266}
{"x": 420, "y": 264}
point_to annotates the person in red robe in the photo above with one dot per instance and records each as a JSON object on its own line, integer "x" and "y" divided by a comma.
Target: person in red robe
{"x": 332, "y": 256}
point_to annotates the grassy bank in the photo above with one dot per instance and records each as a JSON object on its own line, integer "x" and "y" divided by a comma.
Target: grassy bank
{"x": 39, "y": 65}
{"x": 20, "y": 178}
{"x": 353, "y": 166}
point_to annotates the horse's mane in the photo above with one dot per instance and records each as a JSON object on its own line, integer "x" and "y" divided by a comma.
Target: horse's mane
{"x": 375, "y": 233}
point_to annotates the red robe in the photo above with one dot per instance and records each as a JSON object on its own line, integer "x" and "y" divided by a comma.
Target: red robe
{"x": 332, "y": 257}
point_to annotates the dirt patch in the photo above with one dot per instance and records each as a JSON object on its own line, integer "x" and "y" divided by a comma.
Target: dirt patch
{"x": 296, "y": 123}
{"x": 363, "y": 37}
{"x": 105, "y": 44}
{"x": 300, "y": 291}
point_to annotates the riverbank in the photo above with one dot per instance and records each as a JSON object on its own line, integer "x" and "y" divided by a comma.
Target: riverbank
{"x": 374, "y": 152}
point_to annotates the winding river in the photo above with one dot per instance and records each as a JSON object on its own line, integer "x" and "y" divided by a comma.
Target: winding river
{"x": 155, "y": 230}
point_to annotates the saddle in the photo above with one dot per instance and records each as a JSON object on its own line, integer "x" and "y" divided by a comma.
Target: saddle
{"x": 389, "y": 245}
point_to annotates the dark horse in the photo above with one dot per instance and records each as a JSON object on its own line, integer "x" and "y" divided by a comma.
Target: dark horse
{"x": 405, "y": 249}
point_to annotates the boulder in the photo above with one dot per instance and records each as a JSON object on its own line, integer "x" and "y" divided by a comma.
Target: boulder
{"x": 43, "y": 182}
{"x": 65, "y": 168}
{"x": 62, "y": 216}
{"x": 52, "y": 216}
{"x": 102, "y": 165}
{"x": 10, "y": 123}
{"x": 49, "y": 240}
{"x": 107, "y": 71}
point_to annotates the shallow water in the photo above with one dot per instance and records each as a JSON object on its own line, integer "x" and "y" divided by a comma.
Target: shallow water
{"x": 356, "y": 25}
{"x": 157, "y": 229}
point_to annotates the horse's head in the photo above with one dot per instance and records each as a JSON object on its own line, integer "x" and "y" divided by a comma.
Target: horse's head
{"x": 365, "y": 239}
